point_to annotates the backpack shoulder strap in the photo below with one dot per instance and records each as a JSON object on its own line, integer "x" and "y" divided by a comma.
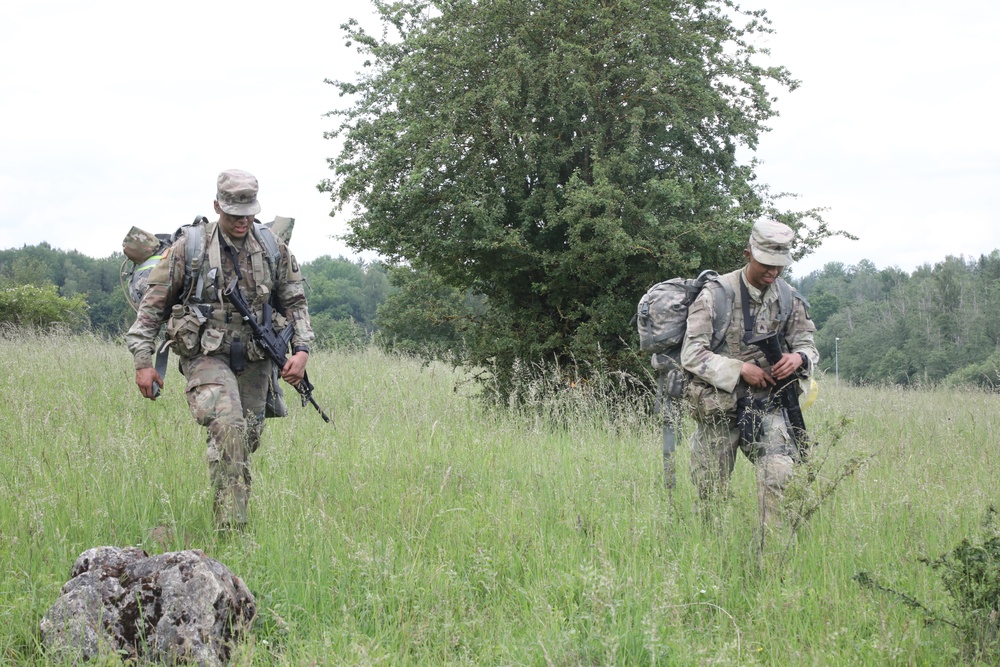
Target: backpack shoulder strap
{"x": 270, "y": 243}
{"x": 797, "y": 295}
{"x": 723, "y": 298}
{"x": 194, "y": 247}
{"x": 786, "y": 298}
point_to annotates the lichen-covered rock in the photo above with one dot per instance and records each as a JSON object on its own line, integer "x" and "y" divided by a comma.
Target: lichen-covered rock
{"x": 176, "y": 607}
{"x": 85, "y": 621}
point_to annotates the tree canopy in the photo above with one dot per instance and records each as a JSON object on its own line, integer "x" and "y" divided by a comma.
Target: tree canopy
{"x": 44, "y": 285}
{"x": 343, "y": 298}
{"x": 557, "y": 157}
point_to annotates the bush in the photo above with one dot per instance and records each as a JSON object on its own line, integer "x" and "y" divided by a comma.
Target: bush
{"x": 985, "y": 374}
{"x": 338, "y": 333}
{"x": 41, "y": 306}
{"x": 971, "y": 574}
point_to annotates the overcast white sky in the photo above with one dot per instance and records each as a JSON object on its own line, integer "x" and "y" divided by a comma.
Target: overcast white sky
{"x": 117, "y": 113}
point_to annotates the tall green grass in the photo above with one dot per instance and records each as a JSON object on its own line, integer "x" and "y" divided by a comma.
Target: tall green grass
{"x": 424, "y": 528}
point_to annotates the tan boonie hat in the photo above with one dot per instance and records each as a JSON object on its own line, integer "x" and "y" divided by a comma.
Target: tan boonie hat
{"x": 237, "y": 193}
{"x": 771, "y": 243}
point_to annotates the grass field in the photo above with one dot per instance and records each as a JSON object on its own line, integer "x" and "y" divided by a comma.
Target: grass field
{"x": 425, "y": 529}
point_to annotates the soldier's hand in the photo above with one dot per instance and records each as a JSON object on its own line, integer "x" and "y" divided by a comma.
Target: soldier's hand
{"x": 755, "y": 376}
{"x": 295, "y": 368}
{"x": 787, "y": 365}
{"x": 145, "y": 377}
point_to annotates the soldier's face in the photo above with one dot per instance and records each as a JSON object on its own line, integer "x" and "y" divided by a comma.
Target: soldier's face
{"x": 760, "y": 275}
{"x": 235, "y": 226}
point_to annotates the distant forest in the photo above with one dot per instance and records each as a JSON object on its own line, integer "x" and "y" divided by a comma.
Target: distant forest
{"x": 82, "y": 292}
{"x": 939, "y": 324}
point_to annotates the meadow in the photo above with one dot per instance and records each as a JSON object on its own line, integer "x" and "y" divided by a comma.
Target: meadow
{"x": 426, "y": 528}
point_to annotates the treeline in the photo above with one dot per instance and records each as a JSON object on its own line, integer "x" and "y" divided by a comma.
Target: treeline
{"x": 41, "y": 285}
{"x": 938, "y": 325}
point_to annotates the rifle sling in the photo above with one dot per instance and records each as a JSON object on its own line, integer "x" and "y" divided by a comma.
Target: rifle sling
{"x": 233, "y": 255}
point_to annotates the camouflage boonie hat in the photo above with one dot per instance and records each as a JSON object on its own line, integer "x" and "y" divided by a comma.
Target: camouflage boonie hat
{"x": 237, "y": 193}
{"x": 771, "y": 243}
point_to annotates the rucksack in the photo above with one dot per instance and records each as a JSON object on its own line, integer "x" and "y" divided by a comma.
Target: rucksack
{"x": 661, "y": 315}
{"x": 661, "y": 318}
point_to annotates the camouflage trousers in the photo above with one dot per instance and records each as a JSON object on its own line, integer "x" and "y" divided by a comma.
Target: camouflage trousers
{"x": 714, "y": 446}
{"x": 231, "y": 407}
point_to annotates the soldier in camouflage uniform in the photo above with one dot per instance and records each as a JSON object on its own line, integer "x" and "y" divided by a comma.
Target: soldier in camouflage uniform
{"x": 226, "y": 391}
{"x": 736, "y": 369}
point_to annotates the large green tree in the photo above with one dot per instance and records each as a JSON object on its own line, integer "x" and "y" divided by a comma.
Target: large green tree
{"x": 557, "y": 157}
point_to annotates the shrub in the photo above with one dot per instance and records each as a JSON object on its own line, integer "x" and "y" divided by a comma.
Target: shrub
{"x": 971, "y": 574}
{"x": 41, "y": 306}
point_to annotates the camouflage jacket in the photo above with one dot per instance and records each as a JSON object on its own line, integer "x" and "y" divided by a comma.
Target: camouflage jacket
{"x": 163, "y": 300}
{"x": 719, "y": 371}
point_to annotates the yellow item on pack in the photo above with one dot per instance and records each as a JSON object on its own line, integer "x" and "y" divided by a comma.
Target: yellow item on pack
{"x": 810, "y": 390}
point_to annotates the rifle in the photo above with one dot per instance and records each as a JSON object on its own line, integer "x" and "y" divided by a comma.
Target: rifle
{"x": 783, "y": 392}
{"x": 274, "y": 345}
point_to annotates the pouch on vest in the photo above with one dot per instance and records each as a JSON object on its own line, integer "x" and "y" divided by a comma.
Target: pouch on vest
{"x": 275, "y": 405}
{"x": 710, "y": 403}
{"x": 237, "y": 356}
{"x": 184, "y": 330}
{"x": 749, "y": 419}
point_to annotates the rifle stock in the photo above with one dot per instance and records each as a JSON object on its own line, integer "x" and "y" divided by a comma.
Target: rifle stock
{"x": 274, "y": 345}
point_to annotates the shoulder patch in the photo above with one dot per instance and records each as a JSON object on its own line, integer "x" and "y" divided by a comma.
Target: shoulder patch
{"x": 294, "y": 274}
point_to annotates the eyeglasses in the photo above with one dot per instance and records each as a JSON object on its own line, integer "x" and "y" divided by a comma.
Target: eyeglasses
{"x": 239, "y": 217}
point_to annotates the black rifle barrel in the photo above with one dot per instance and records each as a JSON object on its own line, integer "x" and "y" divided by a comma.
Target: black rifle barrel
{"x": 274, "y": 345}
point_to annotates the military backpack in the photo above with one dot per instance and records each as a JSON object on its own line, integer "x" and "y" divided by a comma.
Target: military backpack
{"x": 661, "y": 318}
{"x": 143, "y": 250}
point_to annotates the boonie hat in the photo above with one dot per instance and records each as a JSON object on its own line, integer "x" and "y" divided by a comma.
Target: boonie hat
{"x": 237, "y": 193}
{"x": 771, "y": 243}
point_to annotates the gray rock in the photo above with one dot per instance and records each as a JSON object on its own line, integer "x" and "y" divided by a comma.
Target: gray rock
{"x": 176, "y": 607}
